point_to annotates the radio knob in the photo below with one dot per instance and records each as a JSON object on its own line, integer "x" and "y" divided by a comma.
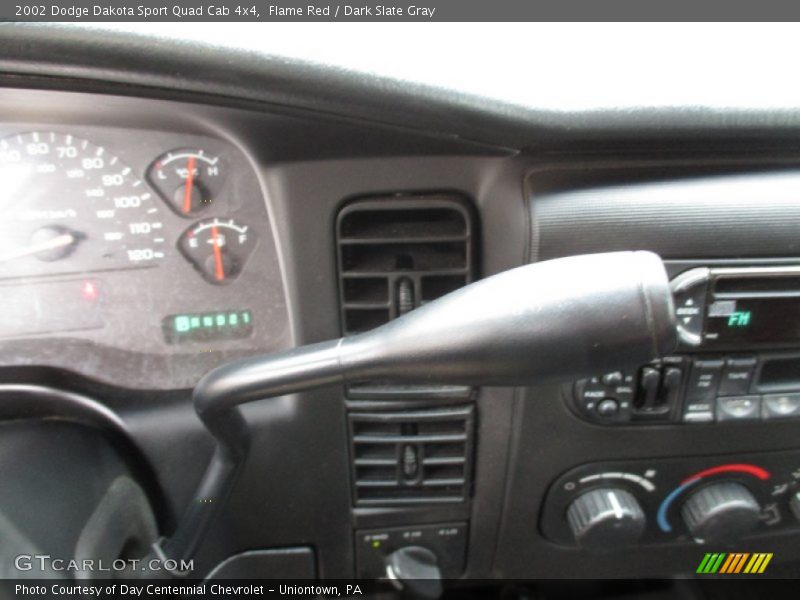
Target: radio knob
{"x": 606, "y": 518}
{"x": 720, "y": 513}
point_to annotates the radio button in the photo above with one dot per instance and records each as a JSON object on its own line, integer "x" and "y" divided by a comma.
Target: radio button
{"x": 608, "y": 407}
{"x": 689, "y": 310}
{"x": 698, "y": 413}
{"x": 739, "y": 408}
{"x": 689, "y": 291}
{"x": 613, "y": 379}
{"x": 701, "y": 390}
{"x": 737, "y": 376}
{"x": 704, "y": 380}
{"x": 671, "y": 384}
{"x": 649, "y": 382}
{"x": 780, "y": 406}
{"x": 600, "y": 402}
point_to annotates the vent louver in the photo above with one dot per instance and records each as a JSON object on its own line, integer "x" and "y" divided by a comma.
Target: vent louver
{"x": 412, "y": 456}
{"x": 396, "y": 253}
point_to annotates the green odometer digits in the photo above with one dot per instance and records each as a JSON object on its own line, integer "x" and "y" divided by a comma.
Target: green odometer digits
{"x": 206, "y": 327}
{"x": 188, "y": 180}
{"x": 218, "y": 248}
{"x": 72, "y": 206}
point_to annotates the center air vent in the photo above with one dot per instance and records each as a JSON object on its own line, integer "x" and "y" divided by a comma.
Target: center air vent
{"x": 412, "y": 456}
{"x": 396, "y": 253}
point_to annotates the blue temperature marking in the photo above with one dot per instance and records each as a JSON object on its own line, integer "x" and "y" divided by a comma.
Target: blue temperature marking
{"x": 661, "y": 518}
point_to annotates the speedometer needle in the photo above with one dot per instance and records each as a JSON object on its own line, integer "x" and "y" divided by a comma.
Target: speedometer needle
{"x": 59, "y": 241}
{"x": 219, "y": 270}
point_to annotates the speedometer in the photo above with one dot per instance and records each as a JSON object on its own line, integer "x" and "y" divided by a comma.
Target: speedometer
{"x": 71, "y": 206}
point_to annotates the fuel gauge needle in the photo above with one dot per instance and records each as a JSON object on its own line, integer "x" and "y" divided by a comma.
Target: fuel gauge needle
{"x": 60, "y": 241}
{"x": 219, "y": 270}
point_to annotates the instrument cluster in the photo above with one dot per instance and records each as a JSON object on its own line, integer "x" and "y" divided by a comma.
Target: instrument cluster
{"x": 74, "y": 206}
{"x": 120, "y": 245}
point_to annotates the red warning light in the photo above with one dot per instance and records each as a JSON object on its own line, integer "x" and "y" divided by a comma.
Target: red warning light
{"x": 89, "y": 290}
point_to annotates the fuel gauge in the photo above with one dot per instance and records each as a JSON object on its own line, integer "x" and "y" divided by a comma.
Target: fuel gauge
{"x": 218, "y": 248}
{"x": 189, "y": 180}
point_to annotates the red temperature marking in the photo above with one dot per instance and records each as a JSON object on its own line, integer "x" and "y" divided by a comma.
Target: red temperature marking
{"x": 731, "y": 468}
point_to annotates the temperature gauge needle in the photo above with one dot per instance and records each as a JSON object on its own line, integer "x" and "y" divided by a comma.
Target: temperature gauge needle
{"x": 60, "y": 241}
{"x": 219, "y": 270}
{"x": 187, "y": 192}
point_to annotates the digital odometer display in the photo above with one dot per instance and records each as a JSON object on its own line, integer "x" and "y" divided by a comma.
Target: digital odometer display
{"x": 206, "y": 327}
{"x": 71, "y": 206}
{"x": 754, "y": 320}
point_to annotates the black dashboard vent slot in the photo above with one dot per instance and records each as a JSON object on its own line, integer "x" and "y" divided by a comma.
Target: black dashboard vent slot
{"x": 408, "y": 457}
{"x": 398, "y": 252}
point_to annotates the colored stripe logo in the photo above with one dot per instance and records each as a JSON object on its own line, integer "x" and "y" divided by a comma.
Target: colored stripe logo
{"x": 734, "y": 563}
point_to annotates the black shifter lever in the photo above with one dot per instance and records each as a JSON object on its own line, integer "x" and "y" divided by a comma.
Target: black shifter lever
{"x": 545, "y": 322}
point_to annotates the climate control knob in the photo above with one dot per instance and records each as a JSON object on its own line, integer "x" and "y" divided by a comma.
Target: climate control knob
{"x": 605, "y": 519}
{"x": 720, "y": 512}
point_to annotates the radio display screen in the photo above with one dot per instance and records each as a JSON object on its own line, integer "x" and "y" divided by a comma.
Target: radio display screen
{"x": 753, "y": 320}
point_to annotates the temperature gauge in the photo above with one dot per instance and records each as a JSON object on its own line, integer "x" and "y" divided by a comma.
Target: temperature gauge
{"x": 218, "y": 248}
{"x": 188, "y": 180}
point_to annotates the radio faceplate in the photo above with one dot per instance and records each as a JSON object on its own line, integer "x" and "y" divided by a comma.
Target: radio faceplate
{"x": 726, "y": 308}
{"x": 739, "y": 354}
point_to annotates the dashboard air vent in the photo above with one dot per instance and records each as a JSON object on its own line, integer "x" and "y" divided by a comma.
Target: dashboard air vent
{"x": 411, "y": 456}
{"x": 396, "y": 253}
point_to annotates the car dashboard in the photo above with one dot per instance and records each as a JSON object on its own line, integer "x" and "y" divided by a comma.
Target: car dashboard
{"x": 158, "y": 225}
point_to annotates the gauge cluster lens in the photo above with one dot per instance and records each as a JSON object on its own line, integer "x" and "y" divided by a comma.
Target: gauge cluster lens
{"x": 71, "y": 206}
{"x": 188, "y": 180}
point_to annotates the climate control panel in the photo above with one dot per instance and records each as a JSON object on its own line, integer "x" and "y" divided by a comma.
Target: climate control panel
{"x": 604, "y": 506}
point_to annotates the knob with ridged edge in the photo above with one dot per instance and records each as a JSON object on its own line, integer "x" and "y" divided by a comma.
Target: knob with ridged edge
{"x": 720, "y": 512}
{"x": 605, "y": 519}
